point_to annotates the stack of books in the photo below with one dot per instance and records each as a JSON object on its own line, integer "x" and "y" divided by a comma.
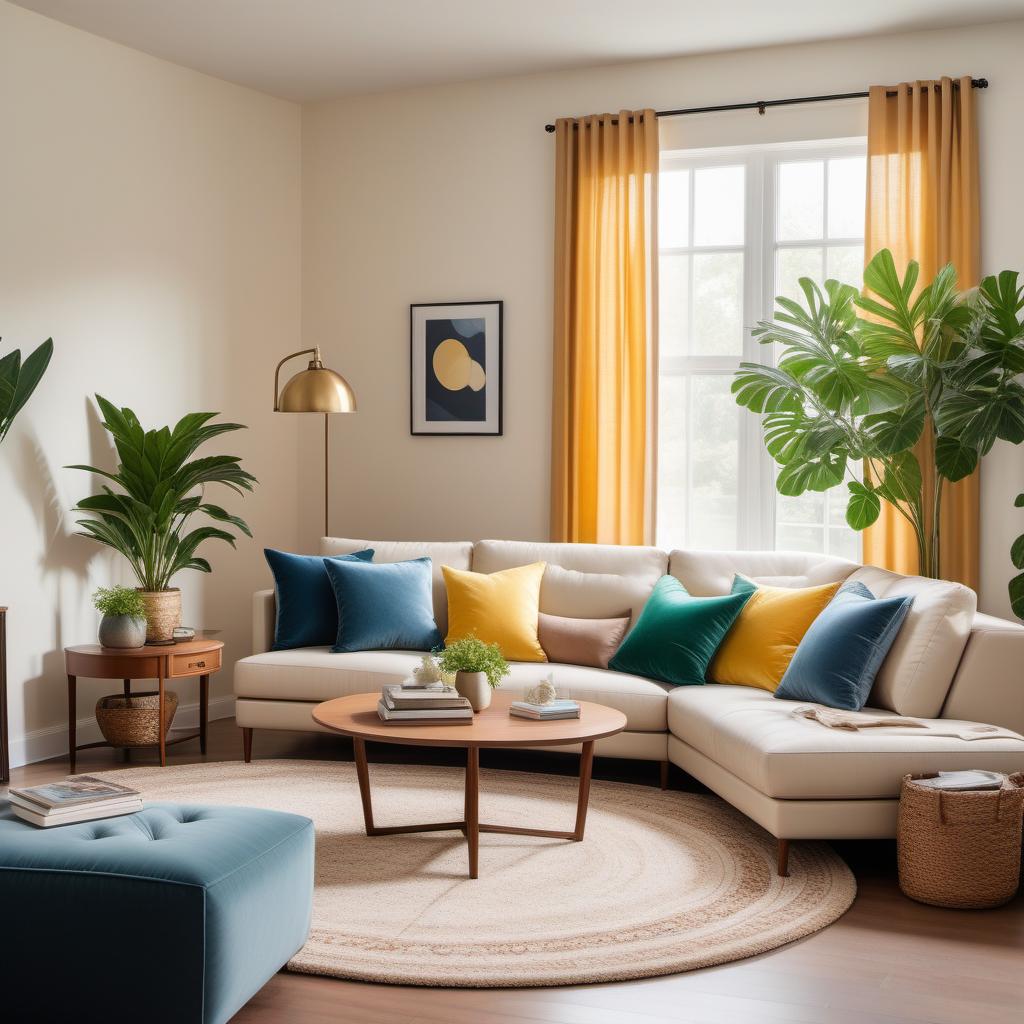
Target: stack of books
{"x": 79, "y": 799}
{"x": 432, "y": 705}
{"x": 545, "y": 712}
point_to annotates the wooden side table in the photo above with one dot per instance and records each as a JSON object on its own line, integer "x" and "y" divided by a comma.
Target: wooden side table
{"x": 193, "y": 658}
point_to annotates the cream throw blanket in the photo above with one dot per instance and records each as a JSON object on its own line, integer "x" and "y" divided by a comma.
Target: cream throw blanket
{"x": 855, "y": 721}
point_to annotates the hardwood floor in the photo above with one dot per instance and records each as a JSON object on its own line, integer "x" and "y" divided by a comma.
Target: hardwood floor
{"x": 887, "y": 961}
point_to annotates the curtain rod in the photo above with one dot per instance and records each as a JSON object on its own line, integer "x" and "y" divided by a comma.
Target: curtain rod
{"x": 761, "y": 105}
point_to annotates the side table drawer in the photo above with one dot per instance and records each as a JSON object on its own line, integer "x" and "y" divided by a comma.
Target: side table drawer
{"x": 194, "y": 664}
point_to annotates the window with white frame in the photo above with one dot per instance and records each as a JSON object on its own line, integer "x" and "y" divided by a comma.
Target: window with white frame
{"x": 736, "y": 228}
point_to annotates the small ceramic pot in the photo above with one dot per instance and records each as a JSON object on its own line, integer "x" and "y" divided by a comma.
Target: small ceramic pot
{"x": 475, "y": 688}
{"x": 163, "y": 614}
{"x": 122, "y": 631}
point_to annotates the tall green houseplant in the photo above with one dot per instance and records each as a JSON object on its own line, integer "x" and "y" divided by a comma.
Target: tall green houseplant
{"x": 160, "y": 487}
{"x": 860, "y": 378}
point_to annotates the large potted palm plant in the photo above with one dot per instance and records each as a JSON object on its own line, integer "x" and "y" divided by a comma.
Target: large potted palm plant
{"x": 159, "y": 490}
{"x": 860, "y": 379}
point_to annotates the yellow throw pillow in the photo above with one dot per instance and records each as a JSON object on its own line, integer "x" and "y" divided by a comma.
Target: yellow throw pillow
{"x": 499, "y": 608}
{"x": 758, "y": 648}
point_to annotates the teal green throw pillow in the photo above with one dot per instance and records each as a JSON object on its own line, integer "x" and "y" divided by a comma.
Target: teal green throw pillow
{"x": 307, "y": 614}
{"x": 383, "y": 605}
{"x": 677, "y": 634}
{"x": 840, "y": 655}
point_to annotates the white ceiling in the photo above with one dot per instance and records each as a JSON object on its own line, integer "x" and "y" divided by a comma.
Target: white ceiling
{"x": 315, "y": 49}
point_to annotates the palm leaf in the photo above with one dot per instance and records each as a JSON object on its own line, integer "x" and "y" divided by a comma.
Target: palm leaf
{"x": 19, "y": 379}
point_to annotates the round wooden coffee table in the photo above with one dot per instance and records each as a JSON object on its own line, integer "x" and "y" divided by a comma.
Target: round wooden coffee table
{"x": 357, "y": 717}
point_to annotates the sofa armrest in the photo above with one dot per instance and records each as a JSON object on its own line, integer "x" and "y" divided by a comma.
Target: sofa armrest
{"x": 264, "y": 617}
{"x": 989, "y": 681}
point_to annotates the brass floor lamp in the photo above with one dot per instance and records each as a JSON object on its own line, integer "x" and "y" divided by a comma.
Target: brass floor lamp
{"x": 315, "y": 389}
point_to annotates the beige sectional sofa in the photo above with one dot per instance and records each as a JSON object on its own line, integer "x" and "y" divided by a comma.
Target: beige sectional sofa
{"x": 796, "y": 778}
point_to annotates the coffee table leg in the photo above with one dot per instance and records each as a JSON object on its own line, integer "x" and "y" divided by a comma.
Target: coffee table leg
{"x": 586, "y": 770}
{"x": 363, "y": 775}
{"x": 473, "y": 808}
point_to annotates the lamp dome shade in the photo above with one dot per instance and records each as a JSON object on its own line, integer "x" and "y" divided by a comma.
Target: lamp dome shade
{"x": 317, "y": 390}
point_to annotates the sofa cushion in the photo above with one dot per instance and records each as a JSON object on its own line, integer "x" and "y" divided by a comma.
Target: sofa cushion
{"x": 571, "y": 641}
{"x": 315, "y": 674}
{"x": 385, "y": 605}
{"x": 497, "y": 608}
{"x": 755, "y": 736}
{"x": 840, "y": 655}
{"x": 759, "y": 647}
{"x": 677, "y": 634}
{"x": 590, "y": 581}
{"x": 456, "y": 553}
{"x": 916, "y": 675}
{"x": 307, "y": 612}
{"x": 707, "y": 573}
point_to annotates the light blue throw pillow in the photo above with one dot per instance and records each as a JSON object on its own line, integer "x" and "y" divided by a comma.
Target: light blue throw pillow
{"x": 383, "y": 605}
{"x": 307, "y": 614}
{"x": 840, "y": 655}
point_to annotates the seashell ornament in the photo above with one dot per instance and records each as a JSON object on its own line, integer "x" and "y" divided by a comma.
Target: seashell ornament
{"x": 543, "y": 693}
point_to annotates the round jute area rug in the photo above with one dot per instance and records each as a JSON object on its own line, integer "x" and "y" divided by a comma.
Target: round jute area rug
{"x": 663, "y": 882}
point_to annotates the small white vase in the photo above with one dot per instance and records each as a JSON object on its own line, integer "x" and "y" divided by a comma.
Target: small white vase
{"x": 475, "y": 688}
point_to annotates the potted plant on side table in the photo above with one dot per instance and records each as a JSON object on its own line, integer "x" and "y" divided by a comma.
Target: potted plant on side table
{"x": 160, "y": 489}
{"x": 124, "y": 617}
{"x": 478, "y": 669}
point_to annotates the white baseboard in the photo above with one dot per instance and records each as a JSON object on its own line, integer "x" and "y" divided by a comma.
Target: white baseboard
{"x": 42, "y": 744}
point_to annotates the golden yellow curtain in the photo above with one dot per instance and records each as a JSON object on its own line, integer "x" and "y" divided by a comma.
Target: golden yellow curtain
{"x": 922, "y": 203}
{"x": 606, "y": 169}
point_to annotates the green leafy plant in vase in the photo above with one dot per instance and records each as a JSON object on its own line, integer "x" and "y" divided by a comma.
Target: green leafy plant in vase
{"x": 860, "y": 379}
{"x": 478, "y": 668}
{"x": 124, "y": 616}
{"x": 160, "y": 488}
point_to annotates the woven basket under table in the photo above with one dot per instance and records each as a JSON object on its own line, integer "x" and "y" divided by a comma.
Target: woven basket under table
{"x": 135, "y": 721}
{"x": 960, "y": 849}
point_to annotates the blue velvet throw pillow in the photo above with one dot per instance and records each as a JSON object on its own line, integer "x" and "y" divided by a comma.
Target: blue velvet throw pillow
{"x": 677, "y": 634}
{"x": 307, "y": 613}
{"x": 383, "y": 605}
{"x": 840, "y": 655}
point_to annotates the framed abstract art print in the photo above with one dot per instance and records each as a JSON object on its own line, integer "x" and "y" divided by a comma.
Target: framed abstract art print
{"x": 455, "y": 368}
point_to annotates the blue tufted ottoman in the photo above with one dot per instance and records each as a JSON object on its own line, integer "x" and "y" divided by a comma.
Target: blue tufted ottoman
{"x": 177, "y": 913}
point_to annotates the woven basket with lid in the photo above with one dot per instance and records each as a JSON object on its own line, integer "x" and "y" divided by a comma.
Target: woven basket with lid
{"x": 960, "y": 849}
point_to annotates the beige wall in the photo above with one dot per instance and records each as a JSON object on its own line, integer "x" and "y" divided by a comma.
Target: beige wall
{"x": 149, "y": 222}
{"x": 446, "y": 194}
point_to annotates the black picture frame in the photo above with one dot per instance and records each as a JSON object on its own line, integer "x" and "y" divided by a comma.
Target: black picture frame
{"x": 422, "y": 378}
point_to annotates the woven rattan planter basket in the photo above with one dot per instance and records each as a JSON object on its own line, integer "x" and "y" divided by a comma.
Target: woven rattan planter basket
{"x": 960, "y": 849}
{"x": 135, "y": 721}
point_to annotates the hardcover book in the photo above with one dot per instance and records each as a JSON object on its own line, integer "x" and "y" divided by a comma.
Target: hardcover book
{"x": 73, "y": 793}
